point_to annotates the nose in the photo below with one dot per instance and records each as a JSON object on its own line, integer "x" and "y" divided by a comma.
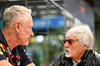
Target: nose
{"x": 66, "y": 45}
{"x": 31, "y": 34}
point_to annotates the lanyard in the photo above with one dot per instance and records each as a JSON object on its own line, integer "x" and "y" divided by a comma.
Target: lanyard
{"x": 7, "y": 49}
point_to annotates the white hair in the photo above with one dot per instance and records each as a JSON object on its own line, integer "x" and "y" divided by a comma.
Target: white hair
{"x": 84, "y": 33}
{"x": 14, "y": 13}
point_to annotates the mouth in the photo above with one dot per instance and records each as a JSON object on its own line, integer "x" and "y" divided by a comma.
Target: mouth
{"x": 67, "y": 51}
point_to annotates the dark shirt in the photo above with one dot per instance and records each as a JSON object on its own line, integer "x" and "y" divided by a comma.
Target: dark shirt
{"x": 18, "y": 51}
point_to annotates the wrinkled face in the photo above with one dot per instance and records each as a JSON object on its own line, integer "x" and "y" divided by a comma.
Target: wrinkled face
{"x": 73, "y": 47}
{"x": 26, "y": 31}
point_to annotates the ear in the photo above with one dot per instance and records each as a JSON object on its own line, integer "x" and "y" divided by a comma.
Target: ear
{"x": 17, "y": 26}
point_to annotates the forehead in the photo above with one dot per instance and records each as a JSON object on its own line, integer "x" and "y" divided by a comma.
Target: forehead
{"x": 30, "y": 21}
{"x": 72, "y": 37}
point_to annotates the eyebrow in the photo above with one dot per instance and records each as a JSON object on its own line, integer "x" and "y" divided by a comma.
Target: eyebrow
{"x": 69, "y": 39}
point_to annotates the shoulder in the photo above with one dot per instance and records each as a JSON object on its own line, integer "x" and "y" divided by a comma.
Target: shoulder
{"x": 96, "y": 59}
{"x": 97, "y": 55}
{"x": 62, "y": 55}
{"x": 94, "y": 55}
{"x": 62, "y": 60}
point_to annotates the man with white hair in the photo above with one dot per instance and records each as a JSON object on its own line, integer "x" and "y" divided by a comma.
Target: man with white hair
{"x": 78, "y": 45}
{"x": 17, "y": 29}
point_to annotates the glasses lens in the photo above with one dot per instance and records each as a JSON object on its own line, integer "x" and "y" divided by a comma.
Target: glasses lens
{"x": 70, "y": 42}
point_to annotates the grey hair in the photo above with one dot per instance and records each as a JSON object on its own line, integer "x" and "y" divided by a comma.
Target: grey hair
{"x": 84, "y": 33}
{"x": 13, "y": 13}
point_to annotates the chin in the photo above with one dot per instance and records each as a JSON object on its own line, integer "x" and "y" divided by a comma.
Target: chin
{"x": 68, "y": 54}
{"x": 25, "y": 44}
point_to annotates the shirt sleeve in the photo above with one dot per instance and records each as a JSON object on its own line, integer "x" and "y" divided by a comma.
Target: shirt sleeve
{"x": 25, "y": 60}
{"x": 2, "y": 57}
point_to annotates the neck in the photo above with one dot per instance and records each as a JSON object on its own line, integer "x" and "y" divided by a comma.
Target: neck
{"x": 78, "y": 57}
{"x": 9, "y": 37}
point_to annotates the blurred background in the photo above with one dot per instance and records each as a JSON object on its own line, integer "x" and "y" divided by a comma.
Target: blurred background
{"x": 51, "y": 20}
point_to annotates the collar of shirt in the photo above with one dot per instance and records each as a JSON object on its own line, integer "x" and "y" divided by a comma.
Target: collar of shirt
{"x": 2, "y": 39}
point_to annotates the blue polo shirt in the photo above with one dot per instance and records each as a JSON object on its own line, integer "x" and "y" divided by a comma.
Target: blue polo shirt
{"x": 18, "y": 51}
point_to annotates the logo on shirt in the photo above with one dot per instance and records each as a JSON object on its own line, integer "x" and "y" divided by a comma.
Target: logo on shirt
{"x": 2, "y": 47}
{"x": 1, "y": 53}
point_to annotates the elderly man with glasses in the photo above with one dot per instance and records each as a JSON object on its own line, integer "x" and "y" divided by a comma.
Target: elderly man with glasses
{"x": 78, "y": 45}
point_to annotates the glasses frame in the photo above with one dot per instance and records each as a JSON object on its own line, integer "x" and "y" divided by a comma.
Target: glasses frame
{"x": 69, "y": 41}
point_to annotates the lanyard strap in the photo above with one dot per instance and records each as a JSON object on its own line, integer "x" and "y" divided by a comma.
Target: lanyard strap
{"x": 7, "y": 49}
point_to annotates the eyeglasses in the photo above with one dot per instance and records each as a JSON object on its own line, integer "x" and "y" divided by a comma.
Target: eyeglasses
{"x": 69, "y": 41}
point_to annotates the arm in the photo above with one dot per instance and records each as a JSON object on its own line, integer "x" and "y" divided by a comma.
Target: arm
{"x": 4, "y": 63}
